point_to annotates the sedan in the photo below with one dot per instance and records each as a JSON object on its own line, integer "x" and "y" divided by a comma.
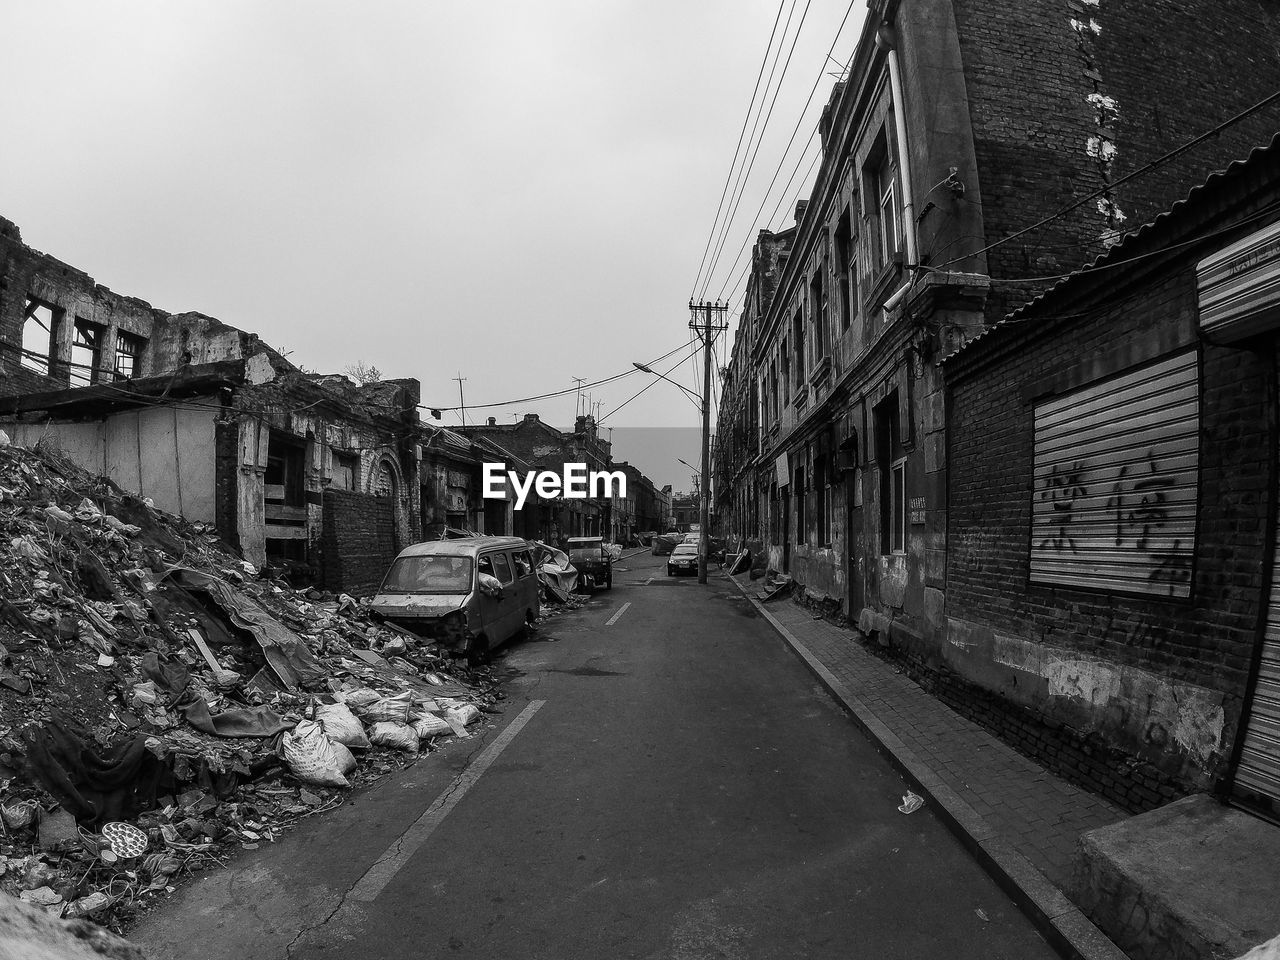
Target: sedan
{"x": 683, "y": 558}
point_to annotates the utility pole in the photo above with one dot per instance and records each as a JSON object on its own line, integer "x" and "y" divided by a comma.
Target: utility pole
{"x": 461, "y": 400}
{"x": 708, "y": 329}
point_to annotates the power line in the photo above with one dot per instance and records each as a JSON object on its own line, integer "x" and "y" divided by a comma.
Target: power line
{"x": 557, "y": 393}
{"x": 683, "y": 360}
{"x": 1260, "y": 214}
{"x": 738, "y": 147}
{"x": 1159, "y": 161}
{"x": 799, "y": 122}
{"x": 741, "y": 187}
{"x": 747, "y": 239}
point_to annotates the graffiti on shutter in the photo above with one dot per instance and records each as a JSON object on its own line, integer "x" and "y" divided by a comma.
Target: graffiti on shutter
{"x": 1114, "y": 493}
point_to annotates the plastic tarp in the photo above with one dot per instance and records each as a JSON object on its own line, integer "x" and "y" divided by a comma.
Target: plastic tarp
{"x": 286, "y": 654}
{"x": 555, "y": 572}
{"x": 172, "y": 676}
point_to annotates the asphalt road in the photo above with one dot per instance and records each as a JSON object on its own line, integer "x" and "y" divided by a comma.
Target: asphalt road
{"x": 668, "y": 781}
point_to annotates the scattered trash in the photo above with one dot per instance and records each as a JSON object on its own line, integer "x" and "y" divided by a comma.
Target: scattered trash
{"x": 126, "y": 840}
{"x": 911, "y": 802}
{"x": 982, "y": 915}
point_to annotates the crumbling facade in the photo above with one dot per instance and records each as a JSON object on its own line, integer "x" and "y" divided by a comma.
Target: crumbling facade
{"x": 315, "y": 475}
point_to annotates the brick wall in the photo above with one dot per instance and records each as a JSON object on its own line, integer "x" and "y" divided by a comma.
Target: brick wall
{"x": 358, "y": 541}
{"x": 1175, "y": 69}
{"x": 1085, "y": 759}
{"x": 1207, "y": 640}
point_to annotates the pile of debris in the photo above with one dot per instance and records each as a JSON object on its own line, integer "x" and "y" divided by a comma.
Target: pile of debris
{"x": 162, "y": 706}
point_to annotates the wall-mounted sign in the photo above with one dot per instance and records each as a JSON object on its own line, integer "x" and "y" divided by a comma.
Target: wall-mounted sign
{"x": 916, "y": 505}
{"x": 1114, "y": 482}
{"x": 1239, "y": 286}
{"x": 782, "y": 470}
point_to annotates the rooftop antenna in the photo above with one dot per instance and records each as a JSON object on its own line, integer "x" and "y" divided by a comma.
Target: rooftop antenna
{"x": 461, "y": 399}
{"x": 577, "y": 406}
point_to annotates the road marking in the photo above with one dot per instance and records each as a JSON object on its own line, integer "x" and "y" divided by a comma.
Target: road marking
{"x": 407, "y": 844}
{"x": 649, "y": 581}
{"x": 621, "y": 610}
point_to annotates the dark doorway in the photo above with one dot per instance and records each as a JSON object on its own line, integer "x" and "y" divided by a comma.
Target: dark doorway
{"x": 284, "y": 498}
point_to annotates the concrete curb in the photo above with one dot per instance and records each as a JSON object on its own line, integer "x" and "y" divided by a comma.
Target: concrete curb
{"x": 1059, "y": 921}
{"x": 633, "y": 553}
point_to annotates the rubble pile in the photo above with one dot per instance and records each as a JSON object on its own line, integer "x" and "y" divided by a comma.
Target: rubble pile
{"x": 162, "y": 706}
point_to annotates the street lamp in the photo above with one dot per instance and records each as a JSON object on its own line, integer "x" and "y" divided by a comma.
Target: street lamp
{"x": 662, "y": 376}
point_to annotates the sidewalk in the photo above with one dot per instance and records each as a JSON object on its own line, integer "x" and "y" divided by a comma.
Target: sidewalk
{"x": 1020, "y": 820}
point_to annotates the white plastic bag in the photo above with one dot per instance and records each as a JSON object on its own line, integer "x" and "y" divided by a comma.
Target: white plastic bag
{"x": 397, "y": 736}
{"x": 429, "y": 725}
{"x": 311, "y": 757}
{"x": 341, "y": 725}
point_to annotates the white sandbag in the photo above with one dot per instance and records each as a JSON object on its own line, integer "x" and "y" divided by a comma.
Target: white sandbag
{"x": 388, "y": 708}
{"x": 359, "y": 697}
{"x": 429, "y": 725}
{"x": 311, "y": 757}
{"x": 346, "y": 759}
{"x": 397, "y": 736}
{"x": 341, "y": 725}
{"x": 465, "y": 714}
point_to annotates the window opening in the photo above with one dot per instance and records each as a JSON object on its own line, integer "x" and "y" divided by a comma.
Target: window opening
{"x": 86, "y": 353}
{"x": 39, "y": 336}
{"x": 128, "y": 355}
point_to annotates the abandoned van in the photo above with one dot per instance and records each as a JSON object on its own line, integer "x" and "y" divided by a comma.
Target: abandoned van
{"x": 472, "y": 595}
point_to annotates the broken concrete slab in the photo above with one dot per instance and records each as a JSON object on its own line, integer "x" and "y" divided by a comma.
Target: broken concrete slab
{"x": 1195, "y": 878}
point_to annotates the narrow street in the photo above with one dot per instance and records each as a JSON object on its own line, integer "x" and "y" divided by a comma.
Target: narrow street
{"x": 667, "y": 781}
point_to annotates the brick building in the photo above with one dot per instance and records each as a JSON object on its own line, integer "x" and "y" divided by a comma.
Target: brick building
{"x": 958, "y": 126}
{"x": 1112, "y": 592}
{"x": 539, "y": 446}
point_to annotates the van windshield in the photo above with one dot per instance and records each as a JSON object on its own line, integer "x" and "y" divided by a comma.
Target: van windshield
{"x": 429, "y": 574}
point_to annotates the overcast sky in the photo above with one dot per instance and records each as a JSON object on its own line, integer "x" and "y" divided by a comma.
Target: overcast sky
{"x": 519, "y": 193}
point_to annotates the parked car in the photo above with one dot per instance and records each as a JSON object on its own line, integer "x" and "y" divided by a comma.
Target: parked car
{"x": 470, "y": 595}
{"x": 684, "y": 558}
{"x": 663, "y": 545}
{"x": 591, "y": 558}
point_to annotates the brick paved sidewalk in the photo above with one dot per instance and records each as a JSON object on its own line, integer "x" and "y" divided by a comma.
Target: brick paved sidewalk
{"x": 1034, "y": 811}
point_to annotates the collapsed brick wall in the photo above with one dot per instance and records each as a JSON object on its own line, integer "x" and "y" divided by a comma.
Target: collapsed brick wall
{"x": 1173, "y": 68}
{"x": 357, "y": 541}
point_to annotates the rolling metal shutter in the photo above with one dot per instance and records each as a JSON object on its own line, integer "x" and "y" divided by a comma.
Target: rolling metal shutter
{"x": 1259, "y": 768}
{"x": 1115, "y": 480}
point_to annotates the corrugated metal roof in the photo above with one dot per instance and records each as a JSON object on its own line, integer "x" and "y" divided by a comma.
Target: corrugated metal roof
{"x": 1129, "y": 240}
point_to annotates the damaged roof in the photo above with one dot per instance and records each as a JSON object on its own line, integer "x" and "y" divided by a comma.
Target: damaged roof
{"x": 1140, "y": 237}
